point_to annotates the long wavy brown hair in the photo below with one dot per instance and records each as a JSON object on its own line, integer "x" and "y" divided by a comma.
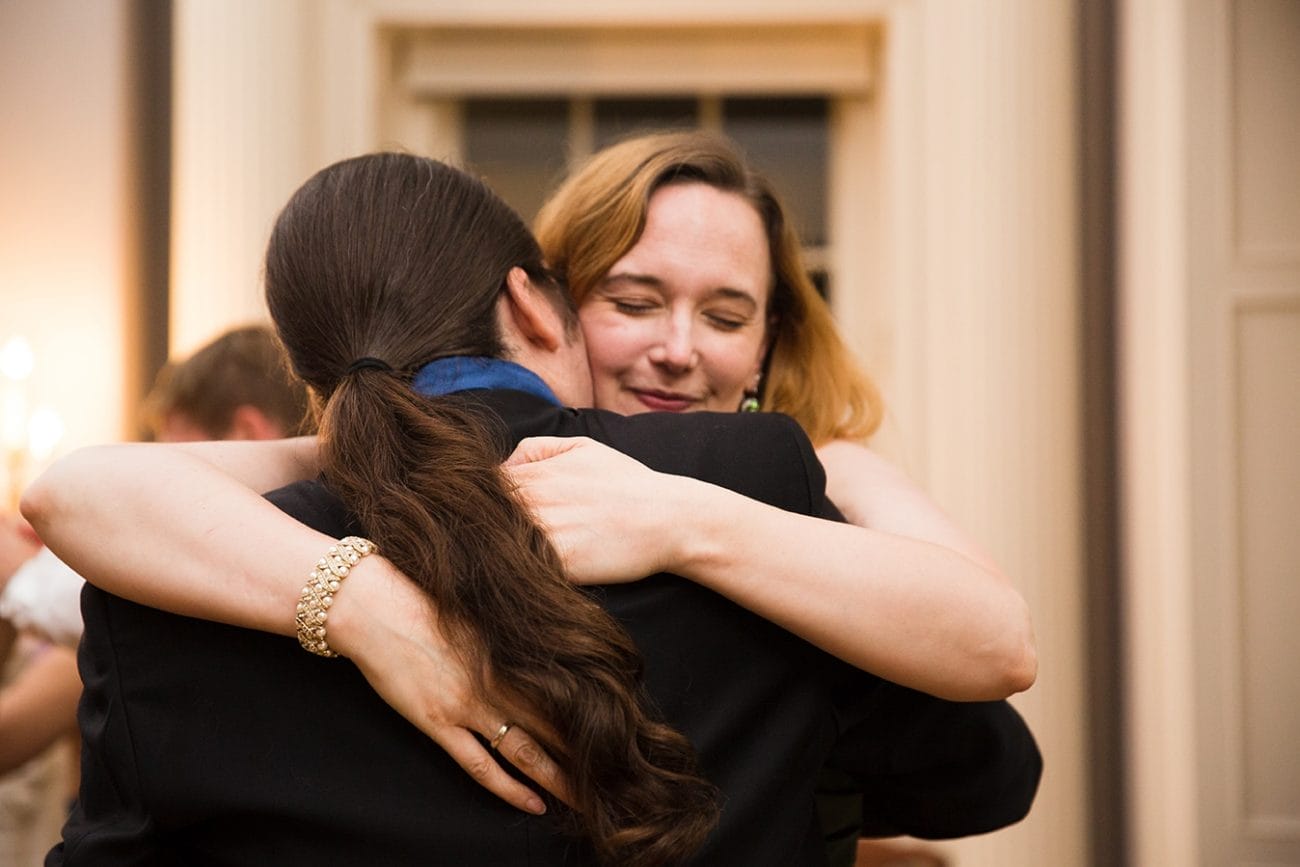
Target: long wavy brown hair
{"x": 402, "y": 259}
{"x": 599, "y": 212}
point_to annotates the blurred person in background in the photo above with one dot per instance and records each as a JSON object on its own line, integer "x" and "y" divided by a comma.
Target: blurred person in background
{"x": 238, "y": 387}
{"x": 38, "y": 701}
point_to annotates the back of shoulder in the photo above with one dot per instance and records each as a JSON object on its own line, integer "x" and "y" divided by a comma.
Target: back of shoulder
{"x": 315, "y": 505}
{"x": 766, "y": 456}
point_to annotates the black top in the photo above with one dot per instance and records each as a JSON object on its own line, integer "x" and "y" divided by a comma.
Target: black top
{"x": 208, "y": 744}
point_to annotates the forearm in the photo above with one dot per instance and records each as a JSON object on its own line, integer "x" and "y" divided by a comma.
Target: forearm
{"x": 872, "y": 492}
{"x": 179, "y": 528}
{"x": 39, "y": 707}
{"x": 259, "y": 465}
{"x": 913, "y": 612}
{"x": 176, "y": 527}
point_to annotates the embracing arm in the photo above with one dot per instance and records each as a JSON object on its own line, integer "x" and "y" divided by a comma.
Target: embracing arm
{"x": 912, "y": 611}
{"x": 180, "y": 527}
{"x": 872, "y": 492}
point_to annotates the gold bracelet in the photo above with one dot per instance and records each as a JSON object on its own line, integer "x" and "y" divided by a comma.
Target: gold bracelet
{"x": 318, "y": 594}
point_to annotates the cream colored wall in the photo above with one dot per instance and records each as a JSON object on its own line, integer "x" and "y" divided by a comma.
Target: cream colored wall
{"x": 986, "y": 330}
{"x": 65, "y": 233}
{"x": 1154, "y": 455}
{"x": 1211, "y": 305}
{"x": 241, "y": 133}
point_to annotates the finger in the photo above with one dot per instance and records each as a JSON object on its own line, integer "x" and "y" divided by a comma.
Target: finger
{"x": 473, "y": 757}
{"x": 533, "y": 449}
{"x": 519, "y": 748}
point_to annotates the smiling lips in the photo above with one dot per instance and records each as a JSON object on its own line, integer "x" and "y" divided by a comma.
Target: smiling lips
{"x": 663, "y": 401}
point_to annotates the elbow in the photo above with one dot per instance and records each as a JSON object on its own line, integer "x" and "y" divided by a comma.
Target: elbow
{"x": 1009, "y": 671}
{"x": 1011, "y": 663}
{"x": 43, "y": 499}
{"x": 36, "y": 504}
{"x": 1020, "y": 657}
{"x": 1022, "y": 669}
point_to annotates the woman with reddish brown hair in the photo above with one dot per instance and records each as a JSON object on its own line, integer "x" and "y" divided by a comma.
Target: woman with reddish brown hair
{"x": 600, "y": 214}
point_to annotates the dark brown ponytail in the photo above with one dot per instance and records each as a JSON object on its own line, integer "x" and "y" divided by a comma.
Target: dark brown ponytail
{"x": 400, "y": 258}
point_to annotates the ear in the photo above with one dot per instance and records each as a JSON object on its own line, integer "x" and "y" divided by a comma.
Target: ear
{"x": 529, "y": 313}
{"x": 248, "y": 422}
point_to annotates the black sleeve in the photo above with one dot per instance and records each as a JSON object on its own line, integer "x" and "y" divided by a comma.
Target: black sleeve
{"x": 315, "y": 505}
{"x": 118, "y": 818}
{"x": 938, "y": 769}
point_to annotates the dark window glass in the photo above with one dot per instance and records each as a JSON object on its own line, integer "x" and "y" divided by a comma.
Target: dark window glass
{"x": 788, "y": 141}
{"x": 822, "y": 281}
{"x": 620, "y": 118}
{"x": 519, "y": 146}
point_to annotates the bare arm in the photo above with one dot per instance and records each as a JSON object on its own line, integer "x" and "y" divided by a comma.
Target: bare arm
{"x": 39, "y": 707}
{"x": 181, "y": 527}
{"x": 915, "y": 612}
{"x": 872, "y": 492}
{"x": 109, "y": 511}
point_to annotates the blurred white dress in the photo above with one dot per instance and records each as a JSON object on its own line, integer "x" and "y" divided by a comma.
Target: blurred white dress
{"x": 44, "y": 595}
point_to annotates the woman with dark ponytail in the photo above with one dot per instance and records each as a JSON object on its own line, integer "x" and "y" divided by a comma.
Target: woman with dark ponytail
{"x": 398, "y": 261}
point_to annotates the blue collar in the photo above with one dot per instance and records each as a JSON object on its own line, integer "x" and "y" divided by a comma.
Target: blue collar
{"x": 463, "y": 372}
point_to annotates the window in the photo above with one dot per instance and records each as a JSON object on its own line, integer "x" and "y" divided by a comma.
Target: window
{"x": 522, "y": 146}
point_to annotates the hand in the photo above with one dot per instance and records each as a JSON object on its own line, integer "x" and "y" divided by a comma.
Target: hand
{"x": 610, "y": 517}
{"x": 388, "y": 628}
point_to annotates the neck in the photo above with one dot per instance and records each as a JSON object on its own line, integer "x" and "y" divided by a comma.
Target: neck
{"x": 465, "y": 372}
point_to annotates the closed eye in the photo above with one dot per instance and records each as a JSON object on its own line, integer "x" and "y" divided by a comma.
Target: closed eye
{"x": 727, "y": 323}
{"x": 632, "y": 307}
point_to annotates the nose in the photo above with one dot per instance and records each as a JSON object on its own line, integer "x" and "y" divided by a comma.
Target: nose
{"x": 676, "y": 348}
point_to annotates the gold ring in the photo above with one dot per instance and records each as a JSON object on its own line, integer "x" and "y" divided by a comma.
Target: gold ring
{"x": 501, "y": 733}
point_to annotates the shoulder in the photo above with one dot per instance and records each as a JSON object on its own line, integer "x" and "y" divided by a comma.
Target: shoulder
{"x": 758, "y": 454}
{"x": 735, "y": 436}
{"x": 315, "y": 505}
{"x": 859, "y": 458}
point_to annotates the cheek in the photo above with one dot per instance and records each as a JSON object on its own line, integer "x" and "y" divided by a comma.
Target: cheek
{"x": 731, "y": 369}
{"x": 613, "y": 344}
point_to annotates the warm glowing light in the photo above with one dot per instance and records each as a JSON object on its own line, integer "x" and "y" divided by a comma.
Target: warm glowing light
{"x": 44, "y": 430}
{"x": 27, "y": 437}
{"x": 13, "y": 418}
{"x": 16, "y": 359}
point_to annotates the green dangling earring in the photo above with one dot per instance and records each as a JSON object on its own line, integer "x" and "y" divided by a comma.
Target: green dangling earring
{"x": 749, "y": 403}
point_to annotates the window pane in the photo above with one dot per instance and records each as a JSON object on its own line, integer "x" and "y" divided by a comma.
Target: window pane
{"x": 619, "y": 118}
{"x": 821, "y": 282}
{"x": 518, "y": 146}
{"x": 787, "y": 140}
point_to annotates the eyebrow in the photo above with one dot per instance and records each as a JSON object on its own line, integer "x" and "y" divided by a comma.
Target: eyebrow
{"x": 653, "y": 282}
